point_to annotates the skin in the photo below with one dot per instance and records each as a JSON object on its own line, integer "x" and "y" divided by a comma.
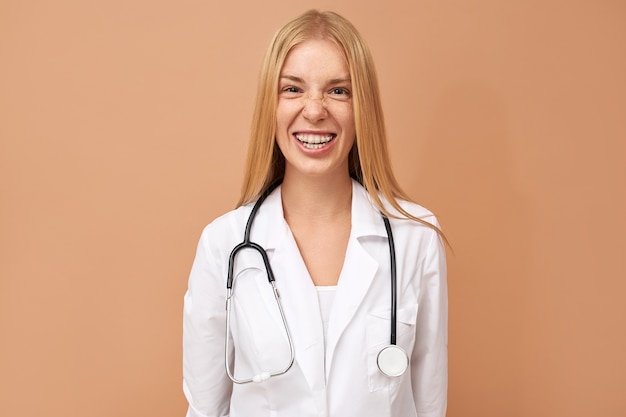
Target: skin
{"x": 315, "y": 105}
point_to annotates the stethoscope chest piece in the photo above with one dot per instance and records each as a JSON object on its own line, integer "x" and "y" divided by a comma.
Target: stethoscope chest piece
{"x": 392, "y": 360}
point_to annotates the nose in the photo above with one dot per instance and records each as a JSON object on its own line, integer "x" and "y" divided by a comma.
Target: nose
{"x": 314, "y": 109}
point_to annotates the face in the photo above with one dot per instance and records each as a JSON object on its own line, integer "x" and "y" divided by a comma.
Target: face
{"x": 315, "y": 121}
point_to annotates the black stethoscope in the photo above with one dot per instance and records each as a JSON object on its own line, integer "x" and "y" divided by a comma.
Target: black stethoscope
{"x": 392, "y": 360}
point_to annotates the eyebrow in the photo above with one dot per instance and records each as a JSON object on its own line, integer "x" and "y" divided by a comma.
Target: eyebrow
{"x": 300, "y": 80}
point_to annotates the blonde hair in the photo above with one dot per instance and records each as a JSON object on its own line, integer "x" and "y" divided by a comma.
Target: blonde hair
{"x": 369, "y": 158}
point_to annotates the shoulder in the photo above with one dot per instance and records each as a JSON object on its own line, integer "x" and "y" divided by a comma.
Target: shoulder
{"x": 418, "y": 242}
{"x": 226, "y": 230}
{"x": 363, "y": 200}
{"x": 421, "y": 237}
{"x": 416, "y": 210}
{"x": 232, "y": 219}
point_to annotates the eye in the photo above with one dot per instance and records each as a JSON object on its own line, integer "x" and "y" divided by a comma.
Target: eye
{"x": 339, "y": 93}
{"x": 290, "y": 90}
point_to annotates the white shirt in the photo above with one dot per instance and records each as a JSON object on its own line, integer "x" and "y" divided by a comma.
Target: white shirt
{"x": 325, "y": 297}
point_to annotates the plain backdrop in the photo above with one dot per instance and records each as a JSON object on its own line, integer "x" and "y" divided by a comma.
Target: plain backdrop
{"x": 123, "y": 129}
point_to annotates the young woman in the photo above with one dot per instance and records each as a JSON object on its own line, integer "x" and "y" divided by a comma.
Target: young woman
{"x": 354, "y": 322}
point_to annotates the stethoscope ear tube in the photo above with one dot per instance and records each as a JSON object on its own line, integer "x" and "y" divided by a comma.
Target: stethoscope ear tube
{"x": 247, "y": 244}
{"x": 263, "y": 376}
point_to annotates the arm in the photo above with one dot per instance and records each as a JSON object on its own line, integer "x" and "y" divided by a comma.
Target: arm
{"x": 205, "y": 383}
{"x": 429, "y": 360}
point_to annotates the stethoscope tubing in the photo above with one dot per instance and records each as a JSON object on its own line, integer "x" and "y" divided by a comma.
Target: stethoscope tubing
{"x": 248, "y": 244}
{"x": 394, "y": 280}
{"x": 387, "y": 366}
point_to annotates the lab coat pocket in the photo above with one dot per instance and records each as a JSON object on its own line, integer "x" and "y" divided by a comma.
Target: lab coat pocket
{"x": 378, "y": 334}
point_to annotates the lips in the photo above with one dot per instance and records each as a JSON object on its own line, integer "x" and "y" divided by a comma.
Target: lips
{"x": 314, "y": 141}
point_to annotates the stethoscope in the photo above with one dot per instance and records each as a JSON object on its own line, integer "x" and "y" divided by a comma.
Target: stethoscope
{"x": 392, "y": 360}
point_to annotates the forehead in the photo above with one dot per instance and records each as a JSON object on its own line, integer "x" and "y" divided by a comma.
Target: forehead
{"x": 315, "y": 58}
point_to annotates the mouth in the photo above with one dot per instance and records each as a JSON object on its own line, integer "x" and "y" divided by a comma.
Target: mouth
{"x": 314, "y": 141}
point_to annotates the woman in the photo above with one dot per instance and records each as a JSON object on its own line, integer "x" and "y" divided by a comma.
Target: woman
{"x": 318, "y": 128}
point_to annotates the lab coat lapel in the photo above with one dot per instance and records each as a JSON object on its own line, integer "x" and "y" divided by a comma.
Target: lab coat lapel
{"x": 297, "y": 292}
{"x": 359, "y": 268}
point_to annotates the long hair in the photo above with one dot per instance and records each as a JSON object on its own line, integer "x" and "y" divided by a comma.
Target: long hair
{"x": 369, "y": 157}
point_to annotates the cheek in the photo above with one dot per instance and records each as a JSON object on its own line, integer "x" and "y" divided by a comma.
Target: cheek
{"x": 283, "y": 120}
{"x": 284, "y": 115}
{"x": 347, "y": 123}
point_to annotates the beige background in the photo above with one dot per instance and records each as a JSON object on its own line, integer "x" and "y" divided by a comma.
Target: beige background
{"x": 123, "y": 128}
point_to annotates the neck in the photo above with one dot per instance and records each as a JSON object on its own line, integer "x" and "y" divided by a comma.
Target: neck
{"x": 316, "y": 197}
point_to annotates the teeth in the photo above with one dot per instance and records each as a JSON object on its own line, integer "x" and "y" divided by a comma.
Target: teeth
{"x": 310, "y": 140}
{"x": 312, "y": 145}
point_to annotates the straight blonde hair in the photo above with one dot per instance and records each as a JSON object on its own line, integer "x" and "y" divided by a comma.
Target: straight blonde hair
{"x": 369, "y": 157}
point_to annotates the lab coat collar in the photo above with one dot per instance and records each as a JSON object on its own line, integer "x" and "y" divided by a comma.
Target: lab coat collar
{"x": 366, "y": 219}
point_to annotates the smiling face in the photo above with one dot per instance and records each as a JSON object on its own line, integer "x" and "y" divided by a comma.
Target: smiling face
{"x": 314, "y": 118}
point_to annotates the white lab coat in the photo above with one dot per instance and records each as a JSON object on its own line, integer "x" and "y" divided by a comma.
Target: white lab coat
{"x": 336, "y": 377}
